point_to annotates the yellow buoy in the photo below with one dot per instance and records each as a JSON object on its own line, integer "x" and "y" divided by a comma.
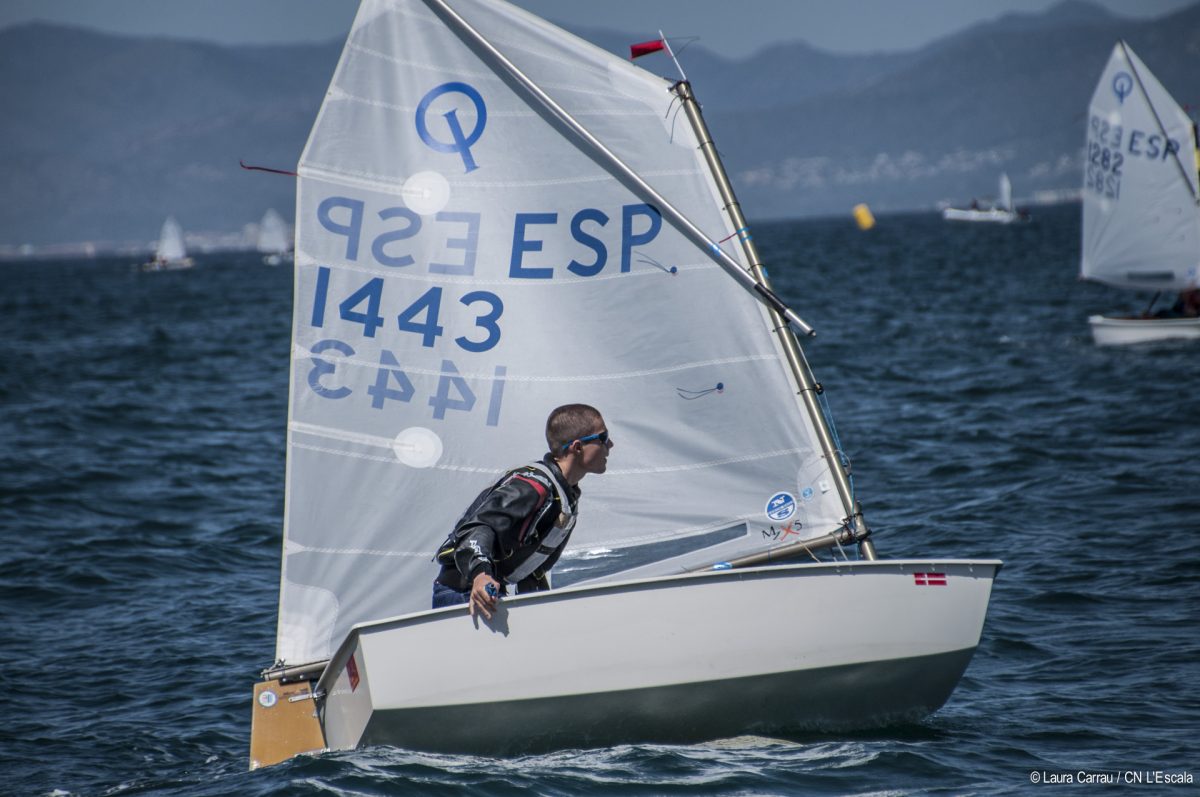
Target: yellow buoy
{"x": 862, "y": 215}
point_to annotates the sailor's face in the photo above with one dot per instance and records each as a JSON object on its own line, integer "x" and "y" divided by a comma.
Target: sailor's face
{"x": 595, "y": 451}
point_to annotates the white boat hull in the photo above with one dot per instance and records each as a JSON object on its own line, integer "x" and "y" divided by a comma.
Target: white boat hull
{"x": 680, "y": 659}
{"x": 995, "y": 216}
{"x": 1109, "y": 331}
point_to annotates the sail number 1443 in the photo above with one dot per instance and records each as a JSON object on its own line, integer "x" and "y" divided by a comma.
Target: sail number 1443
{"x": 362, "y": 309}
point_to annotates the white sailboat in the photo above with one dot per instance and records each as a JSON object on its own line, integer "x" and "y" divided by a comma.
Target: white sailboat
{"x": 1001, "y": 212}
{"x": 495, "y": 218}
{"x": 170, "y": 254}
{"x": 1141, "y": 198}
{"x": 274, "y": 241}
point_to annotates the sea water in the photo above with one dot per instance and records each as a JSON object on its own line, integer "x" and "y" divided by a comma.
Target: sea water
{"x": 141, "y": 494}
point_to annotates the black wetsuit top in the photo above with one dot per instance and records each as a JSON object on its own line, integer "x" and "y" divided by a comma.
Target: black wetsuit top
{"x": 502, "y": 528}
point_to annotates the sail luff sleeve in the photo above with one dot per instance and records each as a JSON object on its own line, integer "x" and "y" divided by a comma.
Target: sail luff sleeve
{"x": 588, "y": 142}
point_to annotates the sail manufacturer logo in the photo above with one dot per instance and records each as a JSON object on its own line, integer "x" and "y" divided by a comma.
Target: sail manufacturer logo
{"x": 781, "y": 506}
{"x": 1122, "y": 86}
{"x": 460, "y": 143}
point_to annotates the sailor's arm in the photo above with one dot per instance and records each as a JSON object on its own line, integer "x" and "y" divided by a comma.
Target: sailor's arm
{"x": 474, "y": 558}
{"x": 491, "y": 534}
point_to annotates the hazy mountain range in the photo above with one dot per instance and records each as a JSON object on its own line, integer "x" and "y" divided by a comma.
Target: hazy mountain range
{"x": 105, "y": 135}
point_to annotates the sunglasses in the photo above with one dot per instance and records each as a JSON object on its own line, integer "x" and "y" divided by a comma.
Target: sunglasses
{"x": 600, "y": 436}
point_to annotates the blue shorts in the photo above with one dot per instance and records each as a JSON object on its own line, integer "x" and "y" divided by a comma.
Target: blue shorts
{"x": 445, "y": 596}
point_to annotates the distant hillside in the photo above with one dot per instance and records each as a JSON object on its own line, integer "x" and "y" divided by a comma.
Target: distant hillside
{"x": 776, "y": 76}
{"x": 1008, "y": 96}
{"x": 104, "y": 135}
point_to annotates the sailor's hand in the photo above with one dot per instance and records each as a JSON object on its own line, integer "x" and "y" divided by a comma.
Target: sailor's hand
{"x": 485, "y": 591}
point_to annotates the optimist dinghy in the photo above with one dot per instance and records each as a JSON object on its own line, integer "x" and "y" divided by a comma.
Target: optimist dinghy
{"x": 495, "y": 218}
{"x": 1141, "y": 199}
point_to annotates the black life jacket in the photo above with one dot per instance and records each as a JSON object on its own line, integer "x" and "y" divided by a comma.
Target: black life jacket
{"x": 534, "y": 547}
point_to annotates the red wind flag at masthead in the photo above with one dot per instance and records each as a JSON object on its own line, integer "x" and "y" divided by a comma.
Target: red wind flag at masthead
{"x": 645, "y": 48}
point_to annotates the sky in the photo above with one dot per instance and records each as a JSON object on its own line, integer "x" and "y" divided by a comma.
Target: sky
{"x": 735, "y": 28}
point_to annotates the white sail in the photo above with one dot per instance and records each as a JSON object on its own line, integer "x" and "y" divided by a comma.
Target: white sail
{"x": 273, "y": 235}
{"x": 1005, "y": 200}
{"x": 170, "y": 241}
{"x": 1141, "y": 225}
{"x": 462, "y": 268}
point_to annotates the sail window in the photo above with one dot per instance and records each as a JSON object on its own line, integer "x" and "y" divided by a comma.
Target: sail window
{"x": 584, "y": 565}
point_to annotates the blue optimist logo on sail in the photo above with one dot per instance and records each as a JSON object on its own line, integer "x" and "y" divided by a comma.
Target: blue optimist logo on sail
{"x": 1122, "y": 86}
{"x": 781, "y": 507}
{"x": 460, "y": 143}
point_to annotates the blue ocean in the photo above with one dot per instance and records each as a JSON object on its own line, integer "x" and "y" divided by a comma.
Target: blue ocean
{"x": 141, "y": 499}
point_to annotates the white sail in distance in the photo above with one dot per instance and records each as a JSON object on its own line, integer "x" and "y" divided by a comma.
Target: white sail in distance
{"x": 1141, "y": 222}
{"x": 462, "y": 268}
{"x": 170, "y": 241}
{"x": 1005, "y": 200}
{"x": 273, "y": 235}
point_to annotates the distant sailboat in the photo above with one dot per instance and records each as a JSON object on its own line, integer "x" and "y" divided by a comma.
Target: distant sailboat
{"x": 274, "y": 242}
{"x": 170, "y": 254}
{"x": 1002, "y": 212}
{"x": 1141, "y": 222}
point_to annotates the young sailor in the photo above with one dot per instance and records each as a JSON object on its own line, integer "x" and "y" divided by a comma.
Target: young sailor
{"x": 515, "y": 530}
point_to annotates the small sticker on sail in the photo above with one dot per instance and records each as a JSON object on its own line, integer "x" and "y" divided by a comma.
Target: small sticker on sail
{"x": 781, "y": 506}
